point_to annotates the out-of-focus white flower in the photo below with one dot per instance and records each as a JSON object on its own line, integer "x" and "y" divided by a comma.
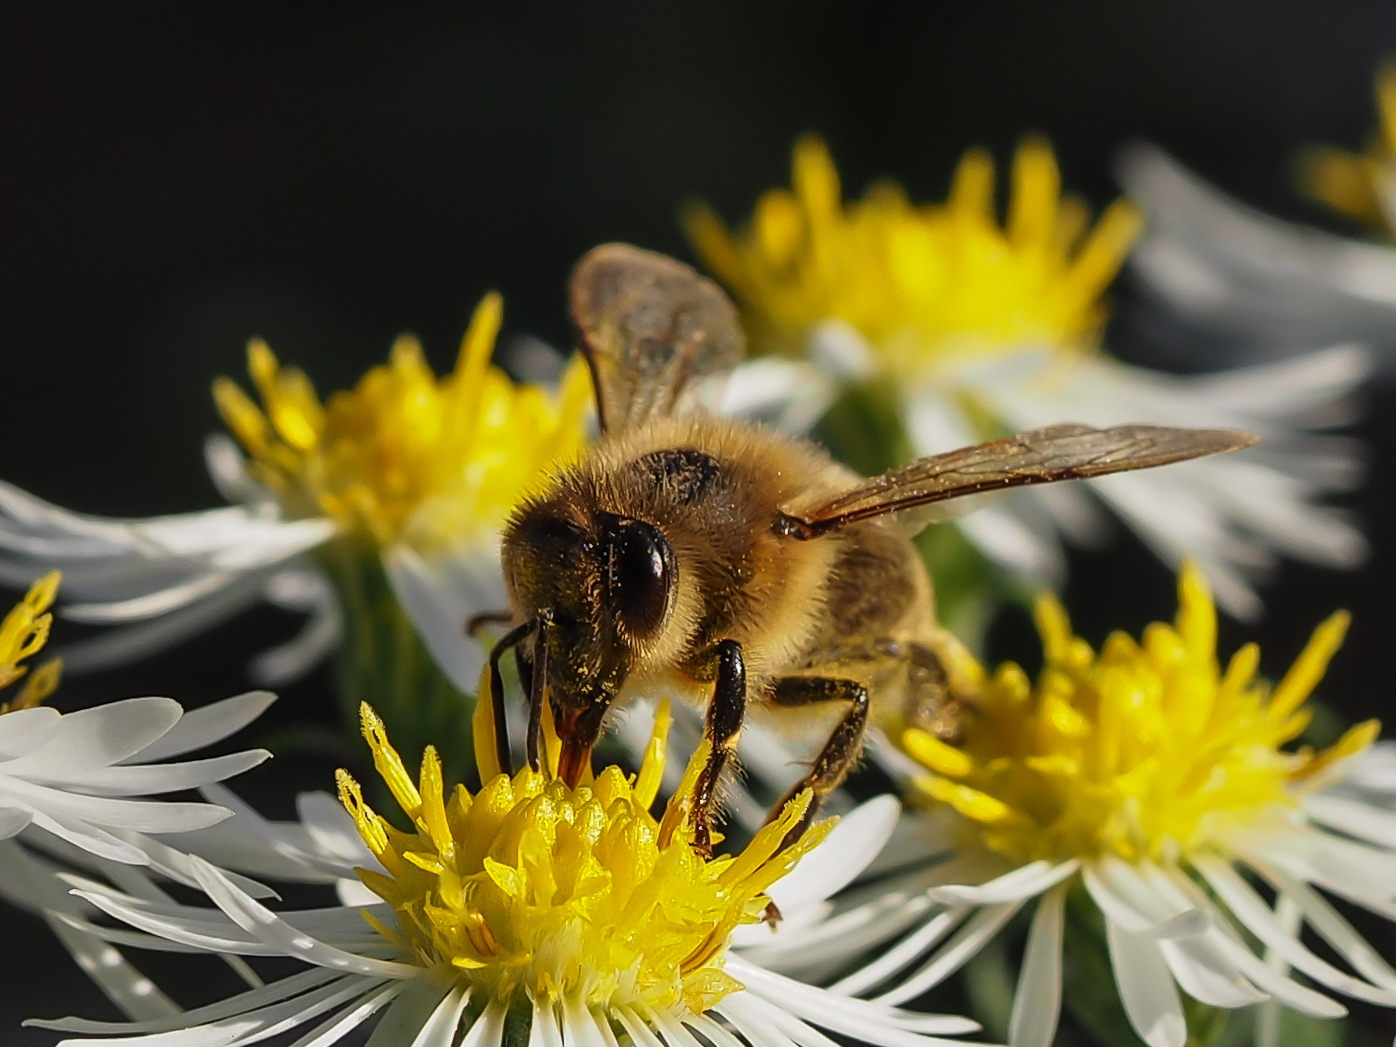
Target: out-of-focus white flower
{"x": 973, "y": 330}
{"x": 409, "y": 474}
{"x": 78, "y": 785}
{"x": 1249, "y": 286}
{"x": 1154, "y": 779}
{"x": 576, "y": 906}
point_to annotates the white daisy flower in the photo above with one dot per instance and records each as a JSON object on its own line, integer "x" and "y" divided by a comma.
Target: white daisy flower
{"x": 1152, "y": 779}
{"x": 396, "y": 489}
{"x": 75, "y": 786}
{"x": 971, "y": 330}
{"x": 574, "y": 910}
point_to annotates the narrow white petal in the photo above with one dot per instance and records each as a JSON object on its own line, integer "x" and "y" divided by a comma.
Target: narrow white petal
{"x": 672, "y": 1032}
{"x": 337, "y": 1027}
{"x": 315, "y": 642}
{"x": 544, "y": 1031}
{"x": 1353, "y": 817}
{"x": 1251, "y": 910}
{"x": 1037, "y": 1003}
{"x": 24, "y": 730}
{"x": 441, "y": 595}
{"x": 957, "y": 951}
{"x": 153, "y": 816}
{"x": 411, "y": 1014}
{"x": 267, "y": 927}
{"x": 150, "y": 780}
{"x": 488, "y": 1029}
{"x": 788, "y": 395}
{"x": 1333, "y": 928}
{"x": 100, "y": 736}
{"x": 1027, "y": 881}
{"x": 1125, "y": 911}
{"x": 440, "y": 1028}
{"x": 902, "y": 955}
{"x": 90, "y": 838}
{"x": 207, "y": 724}
{"x": 578, "y": 1026}
{"x": 640, "y": 1032}
{"x": 746, "y": 1017}
{"x": 1287, "y": 991}
{"x": 1206, "y": 974}
{"x": 1146, "y": 989}
{"x": 13, "y": 820}
{"x": 843, "y": 855}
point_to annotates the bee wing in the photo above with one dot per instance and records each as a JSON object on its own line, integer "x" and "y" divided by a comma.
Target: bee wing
{"x": 649, "y": 326}
{"x": 1057, "y": 452}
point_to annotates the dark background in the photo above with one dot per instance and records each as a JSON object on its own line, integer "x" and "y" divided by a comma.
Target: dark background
{"x": 177, "y": 178}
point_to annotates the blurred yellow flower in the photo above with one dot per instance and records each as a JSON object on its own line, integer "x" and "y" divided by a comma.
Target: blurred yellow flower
{"x": 1360, "y": 185}
{"x": 922, "y": 282}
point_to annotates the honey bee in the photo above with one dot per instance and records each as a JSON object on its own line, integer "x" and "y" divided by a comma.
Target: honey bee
{"x": 735, "y": 566}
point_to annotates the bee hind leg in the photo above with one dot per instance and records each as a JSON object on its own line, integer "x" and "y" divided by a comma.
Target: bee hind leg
{"x": 840, "y": 752}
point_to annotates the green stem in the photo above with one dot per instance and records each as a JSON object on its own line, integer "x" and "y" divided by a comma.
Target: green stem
{"x": 383, "y": 661}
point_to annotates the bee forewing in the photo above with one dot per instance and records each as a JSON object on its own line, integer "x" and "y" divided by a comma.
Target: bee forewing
{"x": 649, "y": 326}
{"x": 1058, "y": 452}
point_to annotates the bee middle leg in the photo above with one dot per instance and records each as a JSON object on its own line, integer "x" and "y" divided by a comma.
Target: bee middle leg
{"x": 840, "y": 752}
{"x": 726, "y": 713}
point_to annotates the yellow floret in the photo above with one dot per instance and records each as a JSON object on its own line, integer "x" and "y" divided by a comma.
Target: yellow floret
{"x": 405, "y": 454}
{"x": 528, "y": 886}
{"x": 23, "y": 634}
{"x": 1145, "y": 749}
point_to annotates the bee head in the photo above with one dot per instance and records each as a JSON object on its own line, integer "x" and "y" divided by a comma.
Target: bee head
{"x": 604, "y": 587}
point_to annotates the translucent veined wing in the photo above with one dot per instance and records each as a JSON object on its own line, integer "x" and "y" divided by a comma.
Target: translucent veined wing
{"x": 1057, "y": 452}
{"x": 650, "y": 327}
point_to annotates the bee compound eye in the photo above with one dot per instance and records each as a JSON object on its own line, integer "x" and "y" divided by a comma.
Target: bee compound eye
{"x": 640, "y": 576}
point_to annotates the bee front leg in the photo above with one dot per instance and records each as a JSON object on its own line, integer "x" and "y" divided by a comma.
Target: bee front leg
{"x": 726, "y": 713}
{"x": 840, "y": 752}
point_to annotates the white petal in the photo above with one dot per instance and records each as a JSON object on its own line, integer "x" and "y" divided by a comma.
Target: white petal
{"x": 24, "y": 730}
{"x": 1258, "y": 918}
{"x": 1027, "y": 881}
{"x": 902, "y": 955}
{"x": 956, "y": 952}
{"x": 99, "y": 736}
{"x": 1146, "y": 989}
{"x": 1334, "y": 929}
{"x": 672, "y": 1032}
{"x": 152, "y": 816}
{"x": 207, "y": 724}
{"x": 90, "y": 838}
{"x": 788, "y": 395}
{"x": 13, "y": 820}
{"x": 267, "y": 927}
{"x": 441, "y": 595}
{"x": 488, "y": 1029}
{"x": 640, "y": 1032}
{"x": 1288, "y": 992}
{"x": 340, "y": 1025}
{"x": 316, "y": 640}
{"x": 411, "y": 1015}
{"x": 1155, "y": 920}
{"x": 332, "y": 829}
{"x": 843, "y": 855}
{"x": 161, "y": 778}
{"x": 1354, "y": 818}
{"x": 544, "y": 1031}
{"x": 1037, "y": 1003}
{"x": 579, "y": 1026}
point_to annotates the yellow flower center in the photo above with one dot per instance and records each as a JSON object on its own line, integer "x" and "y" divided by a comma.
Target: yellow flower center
{"x": 1145, "y": 749}
{"x": 1357, "y": 184}
{"x": 405, "y": 454}
{"x": 23, "y": 634}
{"x": 529, "y": 886}
{"x": 922, "y": 283}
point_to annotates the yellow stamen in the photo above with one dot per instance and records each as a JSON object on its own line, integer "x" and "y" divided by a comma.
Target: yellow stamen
{"x": 922, "y": 284}
{"x": 529, "y": 887}
{"x": 23, "y": 634}
{"x": 1146, "y": 748}
{"x": 405, "y": 454}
